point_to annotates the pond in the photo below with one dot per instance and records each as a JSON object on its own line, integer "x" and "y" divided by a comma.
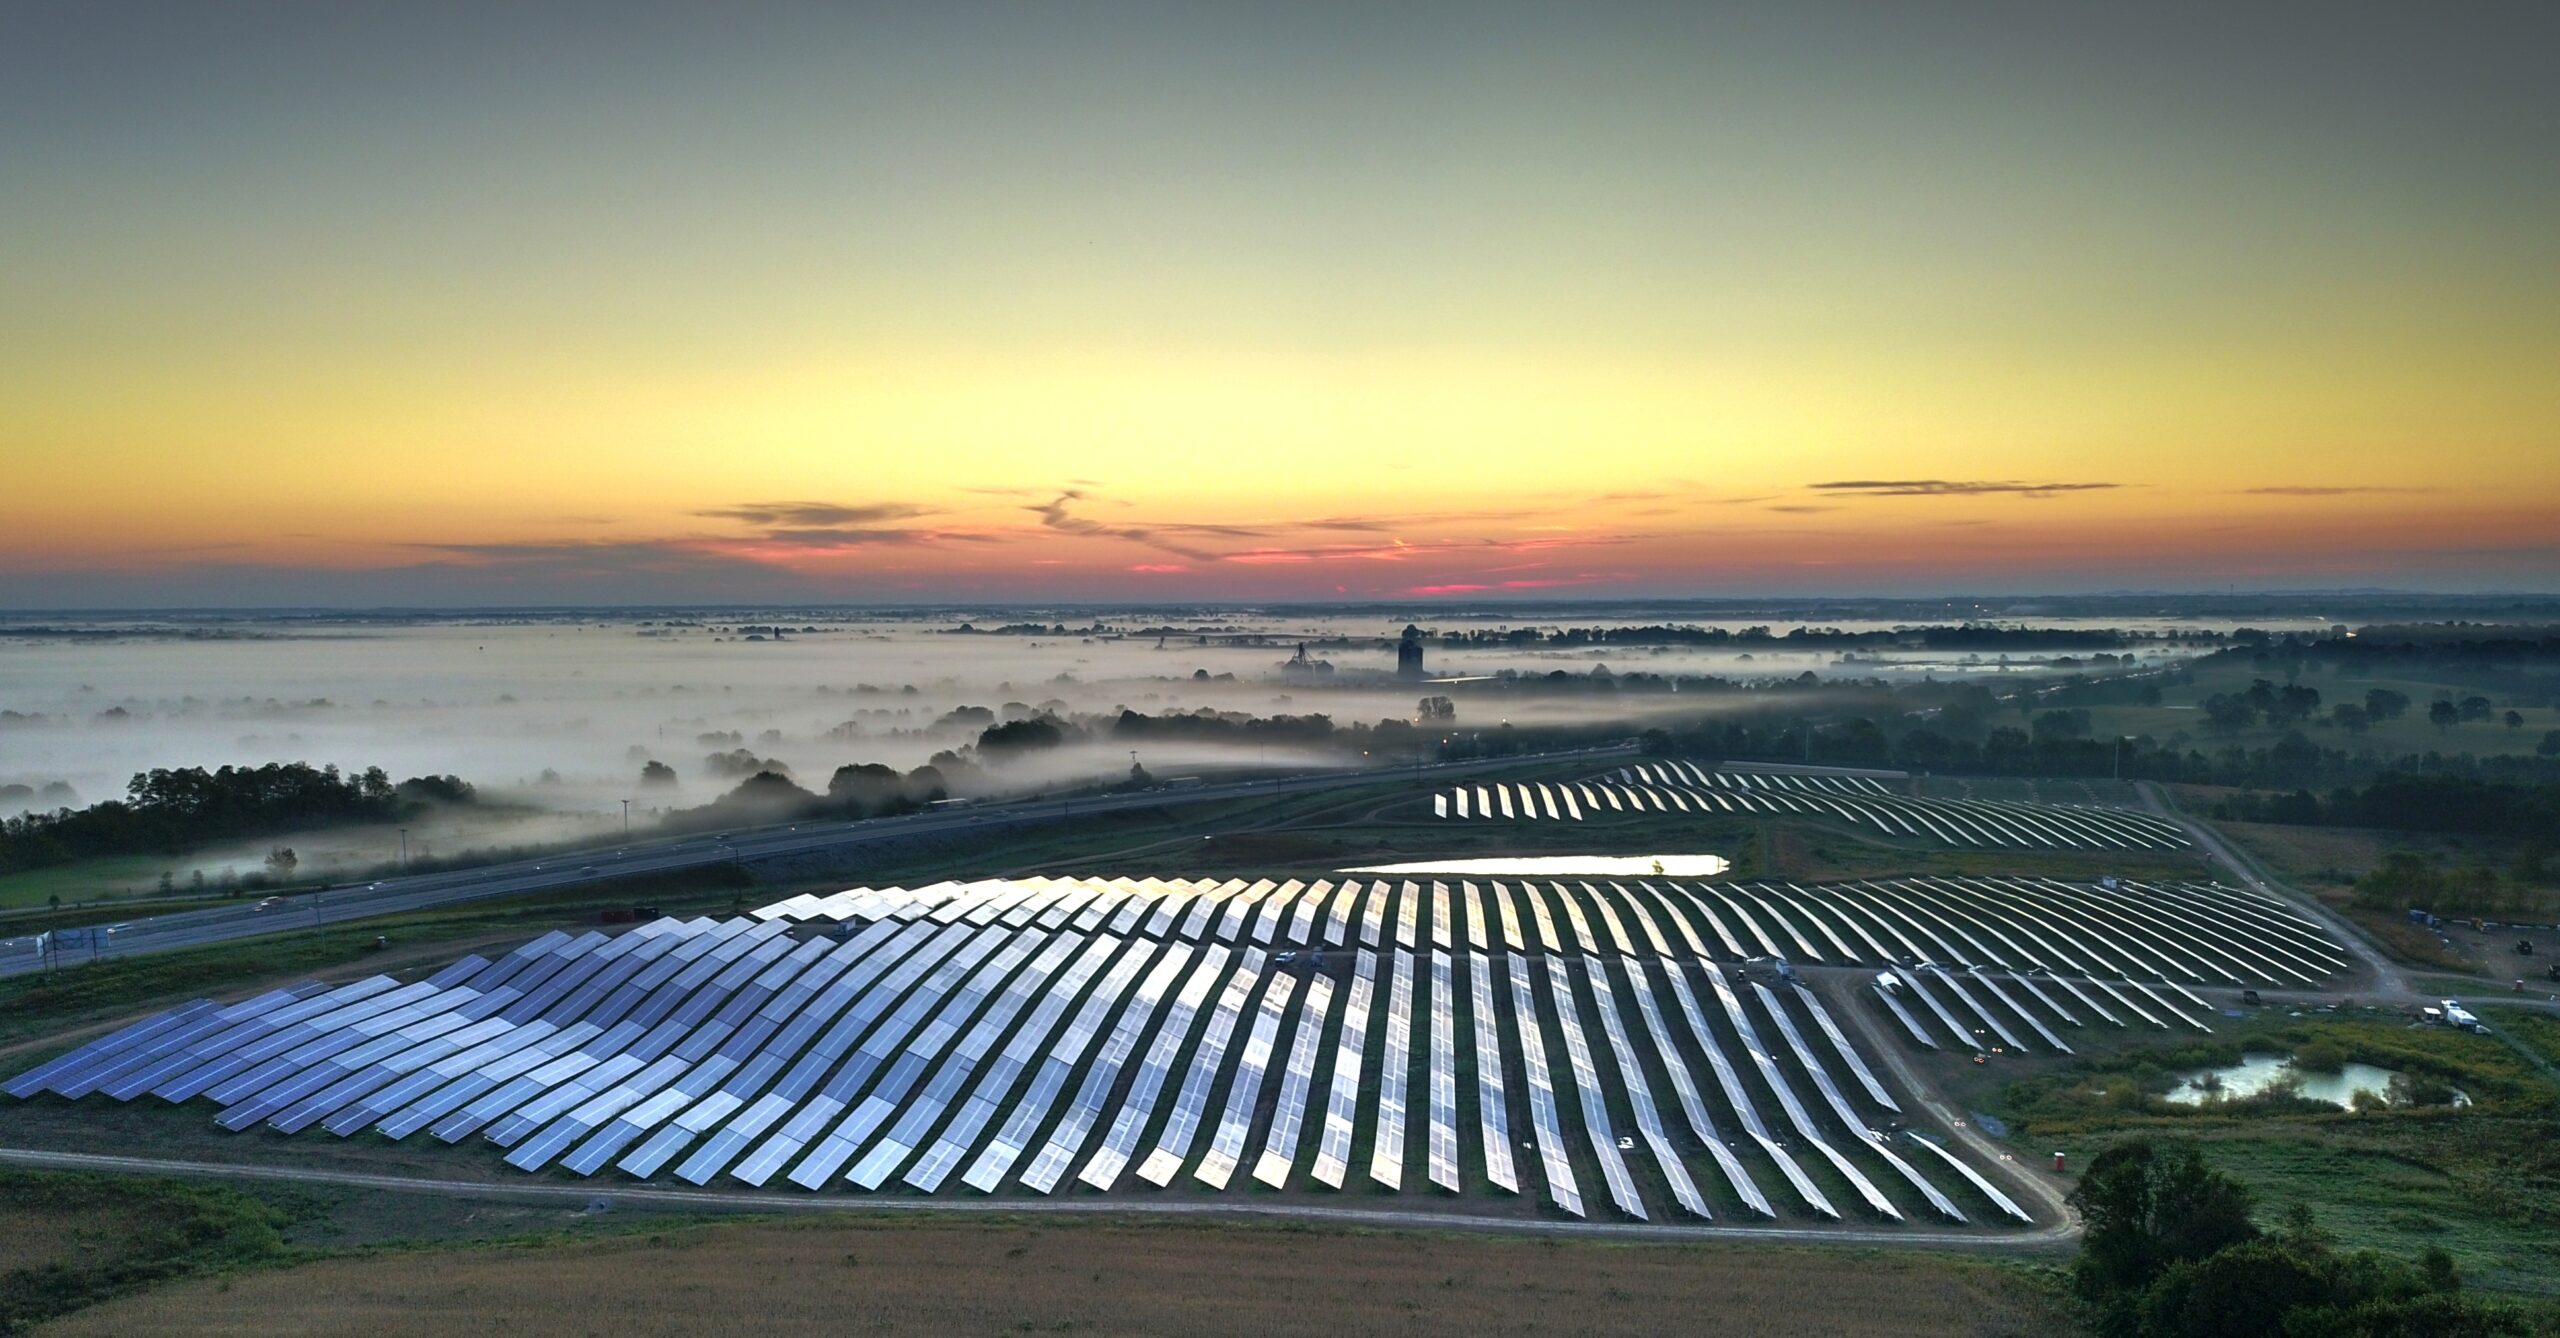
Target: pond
{"x": 1600, "y": 866}
{"x": 2256, "y": 1073}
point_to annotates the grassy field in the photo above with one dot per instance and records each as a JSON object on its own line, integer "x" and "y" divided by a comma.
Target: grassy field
{"x": 2480, "y": 1181}
{"x": 110, "y": 878}
{"x": 891, "y": 1277}
{"x": 71, "y": 1240}
{"x": 2180, "y": 711}
{"x": 2326, "y": 862}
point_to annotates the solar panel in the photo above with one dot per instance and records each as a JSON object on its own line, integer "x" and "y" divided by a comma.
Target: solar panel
{"x": 1546, "y": 1127}
{"x": 1297, "y": 1083}
{"x": 1441, "y": 1141}
{"x": 1021, "y": 1050}
{"x": 1333, "y": 1153}
{"x": 906, "y": 1046}
{"x": 1631, "y": 1080}
{"x": 994, "y": 1024}
{"x": 1596, "y": 1123}
{"x": 1387, "y": 1149}
{"x": 1135, "y": 998}
{"x": 1191, "y": 1103}
{"x": 1493, "y": 1115}
{"x": 1235, "y": 1124}
{"x": 1076, "y": 1123}
{"x": 1795, "y": 1112}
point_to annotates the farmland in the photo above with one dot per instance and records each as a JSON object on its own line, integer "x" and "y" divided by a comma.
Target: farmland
{"x": 865, "y": 1276}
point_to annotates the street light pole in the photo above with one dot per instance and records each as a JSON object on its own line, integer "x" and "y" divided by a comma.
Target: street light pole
{"x": 626, "y": 819}
{"x": 404, "y": 850}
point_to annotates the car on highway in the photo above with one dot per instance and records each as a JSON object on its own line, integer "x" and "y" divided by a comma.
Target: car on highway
{"x": 269, "y": 904}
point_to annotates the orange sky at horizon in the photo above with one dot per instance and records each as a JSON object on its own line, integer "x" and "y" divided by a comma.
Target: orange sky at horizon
{"x": 886, "y": 306}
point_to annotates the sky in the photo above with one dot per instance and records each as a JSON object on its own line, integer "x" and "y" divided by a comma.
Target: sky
{"x": 541, "y": 303}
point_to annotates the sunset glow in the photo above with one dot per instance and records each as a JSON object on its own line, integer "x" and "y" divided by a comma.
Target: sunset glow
{"x": 1325, "y": 305}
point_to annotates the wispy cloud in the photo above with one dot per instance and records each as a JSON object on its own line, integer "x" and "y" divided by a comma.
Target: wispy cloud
{"x": 814, "y": 513}
{"x": 1952, "y": 488}
{"x": 1269, "y": 539}
{"x": 842, "y": 537}
{"x": 1802, "y": 509}
{"x": 1400, "y": 551}
{"x": 1056, "y": 515}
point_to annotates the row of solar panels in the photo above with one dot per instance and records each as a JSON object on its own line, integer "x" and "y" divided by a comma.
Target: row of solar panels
{"x": 891, "y": 1054}
{"x": 1681, "y": 787}
{"x": 2130, "y": 932}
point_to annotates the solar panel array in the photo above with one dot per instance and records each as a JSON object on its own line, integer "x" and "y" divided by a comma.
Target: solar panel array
{"x": 1592, "y": 1047}
{"x": 1685, "y": 787}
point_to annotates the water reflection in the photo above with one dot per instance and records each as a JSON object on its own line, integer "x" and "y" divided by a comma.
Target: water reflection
{"x": 2257, "y": 1073}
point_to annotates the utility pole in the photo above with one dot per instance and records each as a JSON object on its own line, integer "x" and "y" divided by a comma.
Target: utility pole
{"x": 626, "y": 819}
{"x": 404, "y": 850}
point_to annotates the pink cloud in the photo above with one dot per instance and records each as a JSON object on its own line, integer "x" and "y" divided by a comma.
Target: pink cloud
{"x": 1159, "y": 568}
{"x": 1465, "y": 588}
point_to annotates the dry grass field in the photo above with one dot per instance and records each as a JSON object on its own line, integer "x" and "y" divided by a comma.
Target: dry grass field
{"x": 870, "y": 1277}
{"x": 51, "y": 1235}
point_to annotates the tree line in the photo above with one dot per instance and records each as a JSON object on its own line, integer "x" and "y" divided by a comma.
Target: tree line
{"x": 171, "y": 810}
{"x": 859, "y": 790}
{"x": 2170, "y": 1250}
{"x": 2412, "y": 802}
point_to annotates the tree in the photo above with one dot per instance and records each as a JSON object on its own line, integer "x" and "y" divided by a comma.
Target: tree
{"x": 2227, "y": 714}
{"x": 966, "y": 717}
{"x": 864, "y": 788}
{"x": 2444, "y": 715}
{"x": 740, "y": 762}
{"x": 1017, "y": 737}
{"x": 2550, "y": 745}
{"x": 2403, "y": 879}
{"x": 2245, "y": 1291}
{"x": 281, "y": 862}
{"x": 2350, "y": 717}
{"x": 2145, "y": 1209}
{"x": 436, "y": 790}
{"x": 2515, "y": 720}
{"x": 1435, "y": 709}
{"x": 656, "y": 775}
{"x": 2058, "y": 725}
{"x": 2384, "y": 704}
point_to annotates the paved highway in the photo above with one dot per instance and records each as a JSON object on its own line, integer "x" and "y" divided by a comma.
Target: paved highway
{"x": 244, "y": 919}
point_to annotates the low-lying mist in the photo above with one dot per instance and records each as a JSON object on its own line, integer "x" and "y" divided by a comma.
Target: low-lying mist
{"x": 560, "y": 715}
